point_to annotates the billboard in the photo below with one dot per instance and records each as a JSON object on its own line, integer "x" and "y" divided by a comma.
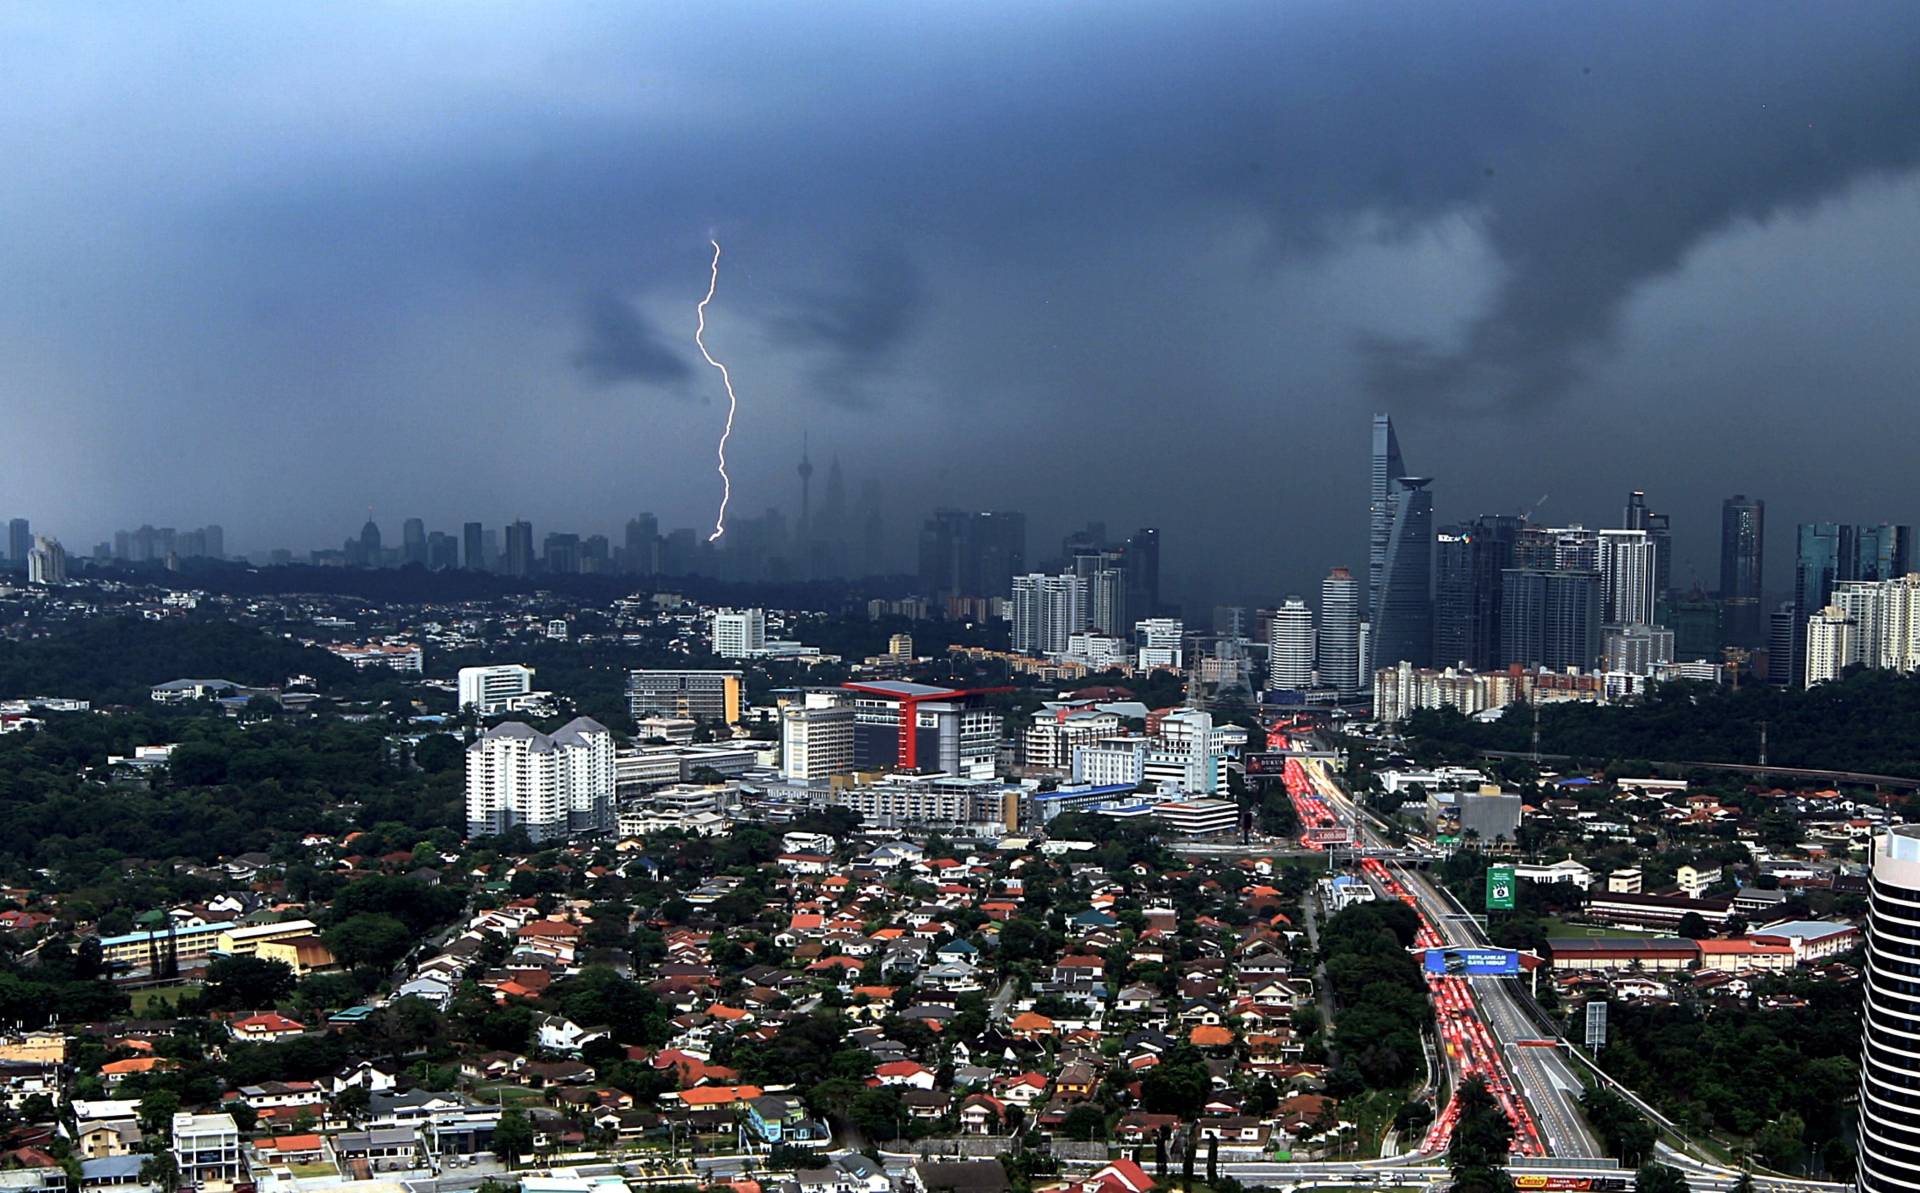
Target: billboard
{"x": 1596, "y": 1025}
{"x": 1473, "y": 963}
{"x": 1264, "y": 766}
{"x": 1500, "y": 888}
{"x": 1568, "y": 1184}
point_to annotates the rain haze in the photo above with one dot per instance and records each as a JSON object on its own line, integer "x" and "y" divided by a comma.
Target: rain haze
{"x": 272, "y": 265}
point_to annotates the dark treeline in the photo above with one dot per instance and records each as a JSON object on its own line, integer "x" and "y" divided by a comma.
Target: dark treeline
{"x": 415, "y": 584}
{"x": 117, "y": 660}
{"x": 1868, "y": 721}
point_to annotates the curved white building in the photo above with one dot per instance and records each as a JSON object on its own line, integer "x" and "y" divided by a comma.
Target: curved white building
{"x": 1890, "y": 1020}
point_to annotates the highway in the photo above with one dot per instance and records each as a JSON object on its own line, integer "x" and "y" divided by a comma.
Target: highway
{"x": 1541, "y": 1074}
{"x": 1480, "y": 1021}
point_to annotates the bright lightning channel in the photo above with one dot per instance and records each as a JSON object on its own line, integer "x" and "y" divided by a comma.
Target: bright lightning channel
{"x": 733, "y": 403}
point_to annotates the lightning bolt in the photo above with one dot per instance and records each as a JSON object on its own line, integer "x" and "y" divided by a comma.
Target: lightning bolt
{"x": 733, "y": 403}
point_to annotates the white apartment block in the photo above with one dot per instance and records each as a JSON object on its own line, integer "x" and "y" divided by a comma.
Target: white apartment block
{"x": 501, "y": 687}
{"x": 553, "y": 786}
{"x": 816, "y": 737}
{"x": 739, "y": 633}
{"x": 1052, "y": 738}
{"x": 1048, "y": 611}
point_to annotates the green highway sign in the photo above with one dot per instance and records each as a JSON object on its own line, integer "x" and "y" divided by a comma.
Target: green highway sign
{"x": 1500, "y": 890}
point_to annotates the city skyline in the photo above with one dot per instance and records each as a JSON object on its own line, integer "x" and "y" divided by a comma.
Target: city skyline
{"x": 976, "y": 311}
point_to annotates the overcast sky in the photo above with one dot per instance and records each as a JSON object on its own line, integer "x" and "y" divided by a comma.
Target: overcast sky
{"x": 270, "y": 265}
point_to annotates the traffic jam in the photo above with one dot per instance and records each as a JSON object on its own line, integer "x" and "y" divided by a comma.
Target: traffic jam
{"x": 1461, "y": 1029}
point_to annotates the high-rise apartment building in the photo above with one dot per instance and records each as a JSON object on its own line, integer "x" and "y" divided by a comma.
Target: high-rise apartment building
{"x": 1290, "y": 647}
{"x": 1048, "y": 610}
{"x": 1872, "y": 623}
{"x": 816, "y": 736}
{"x": 1629, "y": 586}
{"x": 739, "y": 633}
{"x": 1550, "y": 618}
{"x": 1337, "y": 646}
{"x": 19, "y": 542}
{"x": 46, "y": 561}
{"x": 1403, "y": 612}
{"x": 1743, "y": 542}
{"x": 1833, "y": 644}
{"x": 551, "y": 785}
{"x": 1831, "y": 553}
{"x": 1384, "y": 468}
{"x": 1889, "y": 1142}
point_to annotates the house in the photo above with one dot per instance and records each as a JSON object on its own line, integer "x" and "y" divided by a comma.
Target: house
{"x": 909, "y": 1073}
{"x": 107, "y": 1172}
{"x": 846, "y": 1172}
{"x": 291, "y": 1149}
{"x": 1077, "y": 1081}
{"x": 268, "y": 1027}
{"x": 1023, "y": 1090}
{"x": 776, "y": 1119}
{"x": 983, "y": 1114}
{"x": 557, "y": 1033}
{"x": 957, "y": 1176}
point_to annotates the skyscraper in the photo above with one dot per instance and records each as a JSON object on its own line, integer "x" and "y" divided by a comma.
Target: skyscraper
{"x": 1385, "y": 468}
{"x": 1550, "y": 618}
{"x": 1338, "y": 646}
{"x": 519, "y": 549}
{"x": 46, "y": 561}
{"x": 413, "y": 542}
{"x": 972, "y": 554}
{"x": 1143, "y": 572}
{"x": 642, "y": 548}
{"x": 370, "y": 545}
{"x": 19, "y": 542}
{"x": 1290, "y": 647}
{"x": 1403, "y": 614}
{"x": 1890, "y": 1019}
{"x": 1743, "y": 526}
{"x": 474, "y": 547}
{"x": 1468, "y": 563}
{"x": 1628, "y": 584}
{"x": 1047, "y": 610}
{"x": 1830, "y": 553}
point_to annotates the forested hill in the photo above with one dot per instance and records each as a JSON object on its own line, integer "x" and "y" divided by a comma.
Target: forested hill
{"x": 1868, "y": 721}
{"x": 118, "y": 660}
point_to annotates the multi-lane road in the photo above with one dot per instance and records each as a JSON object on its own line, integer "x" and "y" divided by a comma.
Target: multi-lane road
{"x": 1540, "y": 1073}
{"x": 1531, "y": 1062}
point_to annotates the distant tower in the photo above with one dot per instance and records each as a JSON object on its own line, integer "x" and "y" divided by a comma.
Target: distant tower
{"x": 806, "y": 495}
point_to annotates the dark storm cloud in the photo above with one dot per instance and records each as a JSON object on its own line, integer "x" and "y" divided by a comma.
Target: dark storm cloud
{"x": 859, "y": 325}
{"x": 1146, "y": 227}
{"x": 619, "y": 346}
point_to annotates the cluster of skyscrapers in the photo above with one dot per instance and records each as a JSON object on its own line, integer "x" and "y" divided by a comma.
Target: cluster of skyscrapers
{"x": 1500, "y": 591}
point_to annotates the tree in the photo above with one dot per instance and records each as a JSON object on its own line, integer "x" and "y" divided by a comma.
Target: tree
{"x": 369, "y": 938}
{"x": 1482, "y": 1136}
{"x": 246, "y": 983}
{"x": 1659, "y": 1178}
{"x": 1213, "y": 1160}
{"x": 1084, "y": 1122}
{"x": 161, "y": 1171}
{"x": 1694, "y": 926}
{"x": 1781, "y": 1141}
{"x": 512, "y": 1136}
{"x": 157, "y": 1109}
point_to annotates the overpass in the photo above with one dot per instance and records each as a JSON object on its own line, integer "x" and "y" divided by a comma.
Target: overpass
{"x": 1857, "y": 778}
